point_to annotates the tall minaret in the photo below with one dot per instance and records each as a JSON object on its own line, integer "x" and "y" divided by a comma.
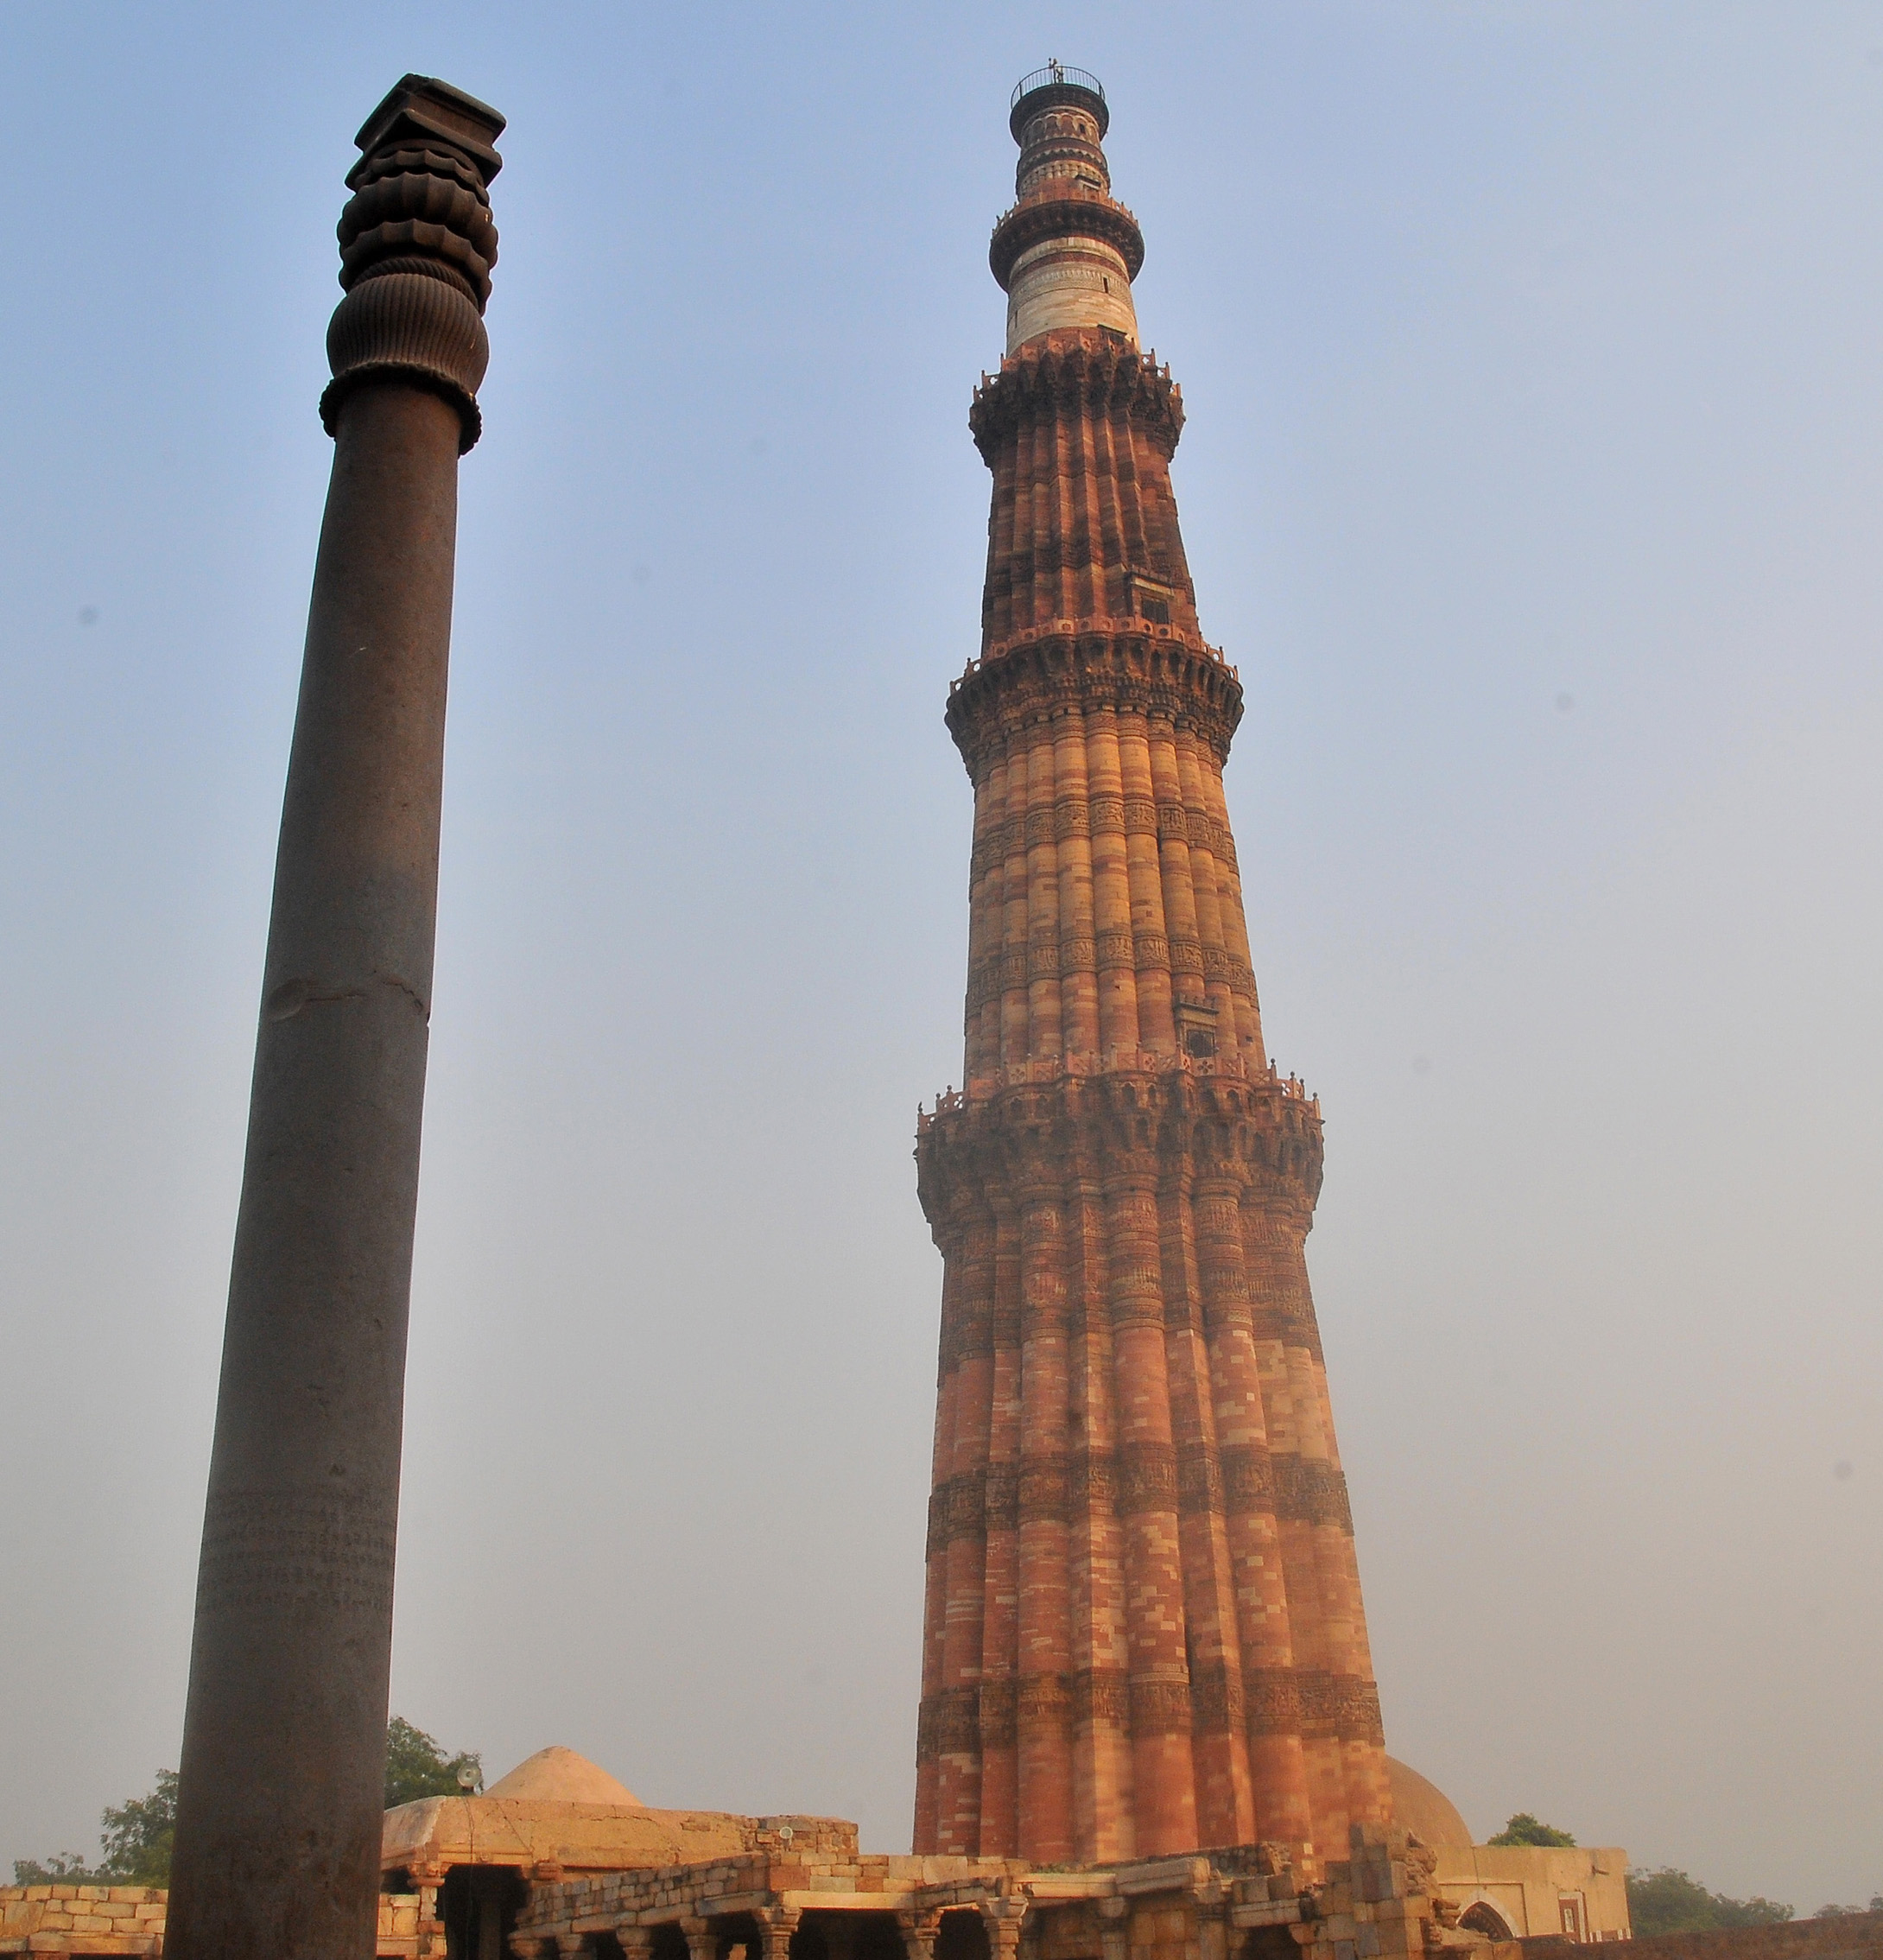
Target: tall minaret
{"x": 1144, "y": 1631}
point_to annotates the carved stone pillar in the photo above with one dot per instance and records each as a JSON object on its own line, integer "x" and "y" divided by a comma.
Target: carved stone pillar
{"x": 1115, "y": 1928}
{"x": 636, "y": 1942}
{"x": 1004, "y": 1918}
{"x": 572, "y": 1946}
{"x": 919, "y": 1931}
{"x": 280, "y": 1798}
{"x": 778, "y": 1924}
{"x": 702, "y": 1942}
{"x": 530, "y": 1945}
{"x": 428, "y": 1878}
{"x": 1212, "y": 1929}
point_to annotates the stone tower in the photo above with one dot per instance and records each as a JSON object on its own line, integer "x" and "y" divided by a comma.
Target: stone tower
{"x": 1143, "y": 1632}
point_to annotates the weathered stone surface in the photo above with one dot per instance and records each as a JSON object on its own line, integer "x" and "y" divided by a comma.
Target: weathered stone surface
{"x": 128, "y": 1920}
{"x": 1144, "y": 1631}
{"x": 279, "y": 1801}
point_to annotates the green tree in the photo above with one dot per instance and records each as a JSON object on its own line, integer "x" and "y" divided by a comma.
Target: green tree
{"x": 137, "y": 1836}
{"x": 1523, "y": 1829}
{"x": 139, "y": 1832}
{"x": 63, "y": 1868}
{"x": 416, "y": 1767}
{"x": 1667, "y": 1900}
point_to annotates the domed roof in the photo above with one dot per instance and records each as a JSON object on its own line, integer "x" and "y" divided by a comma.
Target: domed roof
{"x": 556, "y": 1775}
{"x": 1424, "y": 1810}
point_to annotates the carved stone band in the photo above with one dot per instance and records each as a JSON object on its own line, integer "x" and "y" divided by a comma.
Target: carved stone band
{"x": 407, "y": 326}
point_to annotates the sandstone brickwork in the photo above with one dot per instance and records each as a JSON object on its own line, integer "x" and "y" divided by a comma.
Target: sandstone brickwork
{"x": 127, "y": 1919}
{"x": 1143, "y": 1632}
{"x": 804, "y": 1892}
{"x": 81, "y": 1918}
{"x": 1837, "y": 1936}
{"x": 1516, "y": 1891}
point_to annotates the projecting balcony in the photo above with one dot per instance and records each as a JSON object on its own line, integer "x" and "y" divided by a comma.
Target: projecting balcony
{"x": 1056, "y": 74}
{"x": 1049, "y": 1068}
{"x": 1054, "y": 83}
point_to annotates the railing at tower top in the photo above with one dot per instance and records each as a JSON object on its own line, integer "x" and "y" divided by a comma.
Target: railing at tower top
{"x": 1056, "y": 74}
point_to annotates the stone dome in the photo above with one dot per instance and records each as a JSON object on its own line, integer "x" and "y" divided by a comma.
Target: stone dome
{"x": 1424, "y": 1810}
{"x": 556, "y": 1775}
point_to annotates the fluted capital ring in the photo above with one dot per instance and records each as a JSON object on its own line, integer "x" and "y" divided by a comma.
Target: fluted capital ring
{"x": 417, "y": 244}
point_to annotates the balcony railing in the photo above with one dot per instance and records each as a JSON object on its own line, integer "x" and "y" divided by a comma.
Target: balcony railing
{"x": 1056, "y": 74}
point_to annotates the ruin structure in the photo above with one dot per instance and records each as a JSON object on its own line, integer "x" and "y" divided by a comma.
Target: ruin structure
{"x": 280, "y": 1797}
{"x": 558, "y": 1862}
{"x": 1148, "y": 1730}
{"x": 1143, "y": 1632}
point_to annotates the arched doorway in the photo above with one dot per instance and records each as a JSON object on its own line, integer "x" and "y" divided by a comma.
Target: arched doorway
{"x": 1480, "y": 1916}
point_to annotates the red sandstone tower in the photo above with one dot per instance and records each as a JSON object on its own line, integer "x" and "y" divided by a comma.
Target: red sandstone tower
{"x": 1144, "y": 1631}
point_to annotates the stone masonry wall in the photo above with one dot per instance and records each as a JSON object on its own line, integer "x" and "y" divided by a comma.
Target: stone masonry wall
{"x": 1847, "y": 1933}
{"x": 129, "y": 1919}
{"x": 81, "y": 1918}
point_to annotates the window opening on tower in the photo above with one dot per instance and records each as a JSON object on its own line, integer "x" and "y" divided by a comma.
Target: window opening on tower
{"x": 1152, "y": 599}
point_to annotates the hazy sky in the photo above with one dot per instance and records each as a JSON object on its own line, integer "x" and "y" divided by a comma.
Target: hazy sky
{"x": 1533, "y": 477}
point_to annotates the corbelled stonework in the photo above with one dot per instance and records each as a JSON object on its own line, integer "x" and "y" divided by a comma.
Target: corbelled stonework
{"x": 1144, "y": 1630}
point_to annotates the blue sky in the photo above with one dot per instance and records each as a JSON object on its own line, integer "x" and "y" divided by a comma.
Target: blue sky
{"x": 1531, "y": 478}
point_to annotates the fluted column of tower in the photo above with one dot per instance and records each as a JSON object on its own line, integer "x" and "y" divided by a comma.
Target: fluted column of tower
{"x": 1144, "y": 1631}
{"x": 280, "y": 1800}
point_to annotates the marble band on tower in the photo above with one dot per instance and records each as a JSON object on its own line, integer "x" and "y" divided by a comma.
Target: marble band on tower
{"x": 280, "y": 1794}
{"x": 1144, "y": 1626}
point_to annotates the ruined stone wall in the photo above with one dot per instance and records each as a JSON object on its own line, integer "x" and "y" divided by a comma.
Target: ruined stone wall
{"x": 1853, "y": 1934}
{"x": 1580, "y": 1892}
{"x": 81, "y": 1918}
{"x": 1166, "y": 1929}
{"x": 129, "y": 1919}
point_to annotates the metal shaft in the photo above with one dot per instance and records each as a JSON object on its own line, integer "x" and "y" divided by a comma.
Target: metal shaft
{"x": 279, "y": 1806}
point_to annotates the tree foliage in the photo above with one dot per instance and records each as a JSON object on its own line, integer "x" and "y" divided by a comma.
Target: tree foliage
{"x": 1523, "y": 1829}
{"x": 416, "y": 1767}
{"x": 63, "y": 1868}
{"x": 137, "y": 1837}
{"x": 138, "y": 1833}
{"x": 1667, "y": 1900}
